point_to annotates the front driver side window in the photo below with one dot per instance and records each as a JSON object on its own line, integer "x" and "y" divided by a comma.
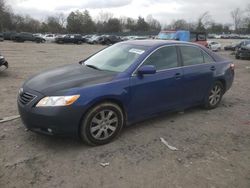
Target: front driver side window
{"x": 163, "y": 58}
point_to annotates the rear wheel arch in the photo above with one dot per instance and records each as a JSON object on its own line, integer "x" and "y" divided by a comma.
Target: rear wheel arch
{"x": 223, "y": 82}
{"x": 214, "y": 94}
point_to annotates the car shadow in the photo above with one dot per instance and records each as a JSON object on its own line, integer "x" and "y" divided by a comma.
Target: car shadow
{"x": 4, "y": 73}
{"x": 170, "y": 117}
{"x": 63, "y": 143}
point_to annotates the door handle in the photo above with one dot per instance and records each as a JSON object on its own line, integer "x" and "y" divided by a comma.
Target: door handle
{"x": 177, "y": 76}
{"x": 212, "y": 68}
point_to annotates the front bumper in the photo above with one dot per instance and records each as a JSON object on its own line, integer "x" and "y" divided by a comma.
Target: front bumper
{"x": 63, "y": 121}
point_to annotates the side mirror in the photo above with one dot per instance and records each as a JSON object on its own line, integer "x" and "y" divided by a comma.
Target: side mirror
{"x": 146, "y": 69}
{"x": 82, "y": 61}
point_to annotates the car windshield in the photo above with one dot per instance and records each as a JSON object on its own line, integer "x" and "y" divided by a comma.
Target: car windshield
{"x": 116, "y": 58}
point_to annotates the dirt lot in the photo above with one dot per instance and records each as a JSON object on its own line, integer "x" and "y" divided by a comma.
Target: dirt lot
{"x": 214, "y": 146}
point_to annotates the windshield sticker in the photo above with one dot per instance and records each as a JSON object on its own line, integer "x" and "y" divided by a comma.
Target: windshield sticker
{"x": 136, "y": 51}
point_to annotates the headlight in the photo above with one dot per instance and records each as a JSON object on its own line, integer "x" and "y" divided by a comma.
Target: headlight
{"x": 57, "y": 101}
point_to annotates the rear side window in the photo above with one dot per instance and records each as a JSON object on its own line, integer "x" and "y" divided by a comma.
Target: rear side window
{"x": 207, "y": 58}
{"x": 191, "y": 55}
{"x": 163, "y": 58}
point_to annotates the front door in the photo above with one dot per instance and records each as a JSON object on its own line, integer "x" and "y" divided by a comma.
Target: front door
{"x": 157, "y": 92}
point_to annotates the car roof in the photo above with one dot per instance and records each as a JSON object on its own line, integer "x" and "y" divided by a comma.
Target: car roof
{"x": 155, "y": 42}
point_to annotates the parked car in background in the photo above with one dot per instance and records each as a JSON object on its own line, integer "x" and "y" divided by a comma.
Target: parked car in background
{"x": 225, "y": 36}
{"x": 123, "y": 84}
{"x": 49, "y": 37}
{"x": 214, "y": 46}
{"x": 1, "y": 37}
{"x": 235, "y": 46}
{"x": 199, "y": 38}
{"x": 243, "y": 52}
{"x": 95, "y": 39}
{"x": 183, "y": 35}
{"x": 3, "y": 63}
{"x": 85, "y": 38}
{"x": 69, "y": 38}
{"x": 109, "y": 39}
{"x": 8, "y": 35}
{"x": 231, "y": 47}
{"x": 24, "y": 36}
{"x": 38, "y": 35}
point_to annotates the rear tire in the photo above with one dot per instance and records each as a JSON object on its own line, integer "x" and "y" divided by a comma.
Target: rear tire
{"x": 214, "y": 95}
{"x": 102, "y": 124}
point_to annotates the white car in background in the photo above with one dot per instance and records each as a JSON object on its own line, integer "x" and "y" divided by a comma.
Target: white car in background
{"x": 214, "y": 46}
{"x": 50, "y": 37}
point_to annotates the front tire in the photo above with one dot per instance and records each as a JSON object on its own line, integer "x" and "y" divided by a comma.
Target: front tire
{"x": 102, "y": 124}
{"x": 214, "y": 96}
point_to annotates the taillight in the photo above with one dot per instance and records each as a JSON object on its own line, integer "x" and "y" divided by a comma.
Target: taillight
{"x": 232, "y": 66}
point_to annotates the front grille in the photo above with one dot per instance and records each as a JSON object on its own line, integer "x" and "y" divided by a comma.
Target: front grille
{"x": 25, "y": 97}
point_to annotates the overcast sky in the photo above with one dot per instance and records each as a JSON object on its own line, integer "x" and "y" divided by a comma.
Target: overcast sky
{"x": 163, "y": 10}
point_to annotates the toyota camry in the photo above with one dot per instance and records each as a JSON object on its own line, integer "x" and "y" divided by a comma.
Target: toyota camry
{"x": 123, "y": 84}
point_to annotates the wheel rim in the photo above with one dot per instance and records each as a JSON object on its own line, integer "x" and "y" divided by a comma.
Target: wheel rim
{"x": 104, "y": 124}
{"x": 215, "y": 95}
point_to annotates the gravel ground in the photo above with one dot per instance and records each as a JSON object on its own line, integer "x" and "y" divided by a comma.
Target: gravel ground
{"x": 213, "y": 146}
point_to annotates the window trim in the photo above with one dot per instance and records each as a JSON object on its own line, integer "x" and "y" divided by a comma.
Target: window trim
{"x": 203, "y": 53}
{"x": 202, "y": 50}
{"x": 178, "y": 59}
{"x": 182, "y": 61}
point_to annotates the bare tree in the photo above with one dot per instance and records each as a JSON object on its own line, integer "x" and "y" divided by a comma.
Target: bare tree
{"x": 2, "y": 5}
{"x": 236, "y": 14}
{"x": 104, "y": 16}
{"x": 204, "y": 21}
{"x": 248, "y": 10}
{"x": 179, "y": 24}
{"x": 62, "y": 19}
{"x": 154, "y": 25}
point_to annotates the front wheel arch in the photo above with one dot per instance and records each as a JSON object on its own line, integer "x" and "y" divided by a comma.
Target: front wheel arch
{"x": 107, "y": 100}
{"x": 85, "y": 133}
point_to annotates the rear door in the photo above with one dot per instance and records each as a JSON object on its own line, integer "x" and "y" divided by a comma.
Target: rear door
{"x": 160, "y": 91}
{"x": 198, "y": 73}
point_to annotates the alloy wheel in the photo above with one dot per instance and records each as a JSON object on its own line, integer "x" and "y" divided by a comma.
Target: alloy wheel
{"x": 104, "y": 124}
{"x": 215, "y": 95}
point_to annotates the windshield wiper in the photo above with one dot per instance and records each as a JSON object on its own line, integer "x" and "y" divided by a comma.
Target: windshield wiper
{"x": 92, "y": 66}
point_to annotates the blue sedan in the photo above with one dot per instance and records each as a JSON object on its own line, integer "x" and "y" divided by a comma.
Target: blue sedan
{"x": 123, "y": 84}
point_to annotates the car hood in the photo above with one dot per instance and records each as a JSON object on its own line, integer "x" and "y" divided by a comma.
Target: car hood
{"x": 67, "y": 77}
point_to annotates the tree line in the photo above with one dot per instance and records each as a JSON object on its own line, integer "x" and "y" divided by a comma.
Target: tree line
{"x": 75, "y": 22}
{"x": 83, "y": 23}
